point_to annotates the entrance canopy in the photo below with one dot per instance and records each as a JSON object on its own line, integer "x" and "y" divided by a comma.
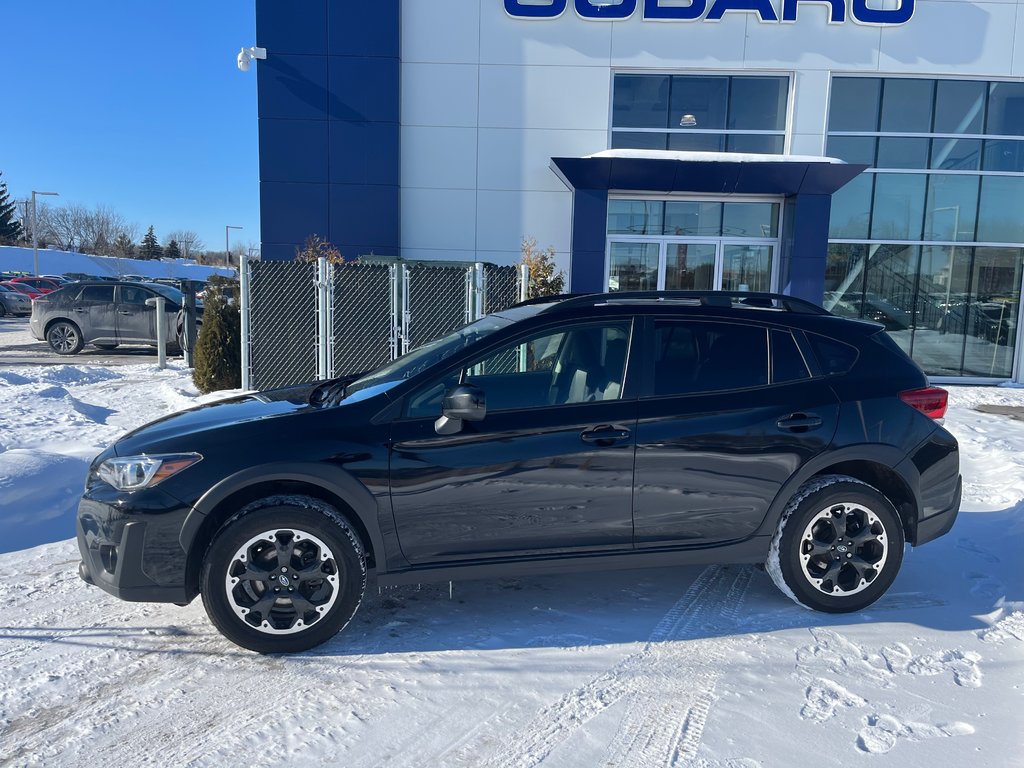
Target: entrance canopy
{"x": 806, "y": 182}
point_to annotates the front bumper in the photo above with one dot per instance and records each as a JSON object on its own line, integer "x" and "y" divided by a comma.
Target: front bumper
{"x": 131, "y": 555}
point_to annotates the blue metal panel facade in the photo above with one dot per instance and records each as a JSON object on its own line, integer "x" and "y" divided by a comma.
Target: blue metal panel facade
{"x": 329, "y": 137}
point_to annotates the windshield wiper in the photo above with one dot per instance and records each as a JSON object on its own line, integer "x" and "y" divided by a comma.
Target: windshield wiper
{"x": 332, "y": 391}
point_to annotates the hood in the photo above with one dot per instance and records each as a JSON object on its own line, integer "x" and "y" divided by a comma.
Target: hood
{"x": 250, "y": 409}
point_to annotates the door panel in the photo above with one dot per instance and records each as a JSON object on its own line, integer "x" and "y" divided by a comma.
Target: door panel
{"x": 746, "y": 267}
{"x": 519, "y": 482}
{"x": 95, "y": 309}
{"x": 690, "y": 267}
{"x": 709, "y": 465}
{"x": 135, "y": 320}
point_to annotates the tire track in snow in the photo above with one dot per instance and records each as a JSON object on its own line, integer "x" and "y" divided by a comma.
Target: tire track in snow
{"x": 634, "y": 677}
{"x": 664, "y": 723}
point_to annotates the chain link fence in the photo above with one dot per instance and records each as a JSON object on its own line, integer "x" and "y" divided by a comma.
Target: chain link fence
{"x": 303, "y": 322}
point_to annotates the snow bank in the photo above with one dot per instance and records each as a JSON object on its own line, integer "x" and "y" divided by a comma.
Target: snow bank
{"x": 53, "y": 262}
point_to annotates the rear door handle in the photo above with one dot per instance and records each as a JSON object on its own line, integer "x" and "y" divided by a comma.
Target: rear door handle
{"x": 123, "y": 312}
{"x": 605, "y": 435}
{"x": 800, "y": 422}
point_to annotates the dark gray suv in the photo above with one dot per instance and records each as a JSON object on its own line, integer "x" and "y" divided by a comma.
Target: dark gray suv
{"x": 105, "y": 314}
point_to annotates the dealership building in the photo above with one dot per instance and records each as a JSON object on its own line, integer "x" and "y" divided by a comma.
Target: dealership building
{"x": 868, "y": 154}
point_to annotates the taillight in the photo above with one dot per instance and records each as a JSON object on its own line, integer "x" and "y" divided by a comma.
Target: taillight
{"x": 931, "y": 401}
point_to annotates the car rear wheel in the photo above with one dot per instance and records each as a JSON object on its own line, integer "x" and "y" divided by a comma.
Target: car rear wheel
{"x": 64, "y": 338}
{"x": 283, "y": 575}
{"x": 838, "y": 547}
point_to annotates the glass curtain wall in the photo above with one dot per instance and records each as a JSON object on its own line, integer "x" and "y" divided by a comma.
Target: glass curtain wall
{"x": 710, "y": 113}
{"x": 930, "y": 240}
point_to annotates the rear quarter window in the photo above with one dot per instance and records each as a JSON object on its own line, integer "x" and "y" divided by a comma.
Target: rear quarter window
{"x": 833, "y": 356}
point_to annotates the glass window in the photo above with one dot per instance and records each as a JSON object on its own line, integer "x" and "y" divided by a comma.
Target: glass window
{"x": 637, "y": 140}
{"x": 844, "y": 279}
{"x": 854, "y": 104}
{"x": 102, "y": 293}
{"x": 132, "y": 295}
{"x": 708, "y": 357}
{"x": 851, "y": 209}
{"x": 959, "y": 106}
{"x": 956, "y": 154}
{"x": 693, "y": 218}
{"x": 690, "y": 266}
{"x": 584, "y": 364}
{"x": 889, "y": 286}
{"x": 853, "y": 149}
{"x": 750, "y": 220}
{"x": 994, "y": 308}
{"x": 633, "y": 267}
{"x": 999, "y": 214}
{"x": 641, "y": 101}
{"x": 1004, "y": 155}
{"x": 758, "y": 103}
{"x": 902, "y": 153}
{"x": 755, "y": 143}
{"x": 1005, "y": 109}
{"x": 942, "y": 309}
{"x": 696, "y": 142}
{"x": 833, "y": 356}
{"x": 952, "y": 208}
{"x": 907, "y": 105}
{"x": 635, "y": 217}
{"x": 746, "y": 267}
{"x": 787, "y": 362}
{"x": 705, "y": 98}
{"x": 897, "y": 211}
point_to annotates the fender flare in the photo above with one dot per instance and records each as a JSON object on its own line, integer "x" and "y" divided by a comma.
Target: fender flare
{"x": 333, "y": 480}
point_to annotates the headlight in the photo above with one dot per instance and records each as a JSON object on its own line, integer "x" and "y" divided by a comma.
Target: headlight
{"x": 132, "y": 473}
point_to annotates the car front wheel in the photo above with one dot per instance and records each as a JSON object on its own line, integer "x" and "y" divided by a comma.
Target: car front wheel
{"x": 64, "y": 338}
{"x": 838, "y": 547}
{"x": 283, "y": 575}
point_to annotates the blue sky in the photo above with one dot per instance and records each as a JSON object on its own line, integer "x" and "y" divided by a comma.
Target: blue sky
{"x": 137, "y": 105}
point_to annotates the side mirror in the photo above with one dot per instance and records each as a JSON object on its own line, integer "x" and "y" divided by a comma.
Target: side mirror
{"x": 463, "y": 402}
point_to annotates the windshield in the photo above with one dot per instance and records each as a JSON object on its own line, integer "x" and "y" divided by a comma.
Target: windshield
{"x": 424, "y": 357}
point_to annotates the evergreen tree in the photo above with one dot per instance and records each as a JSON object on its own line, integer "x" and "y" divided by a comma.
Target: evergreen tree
{"x": 218, "y": 352}
{"x": 172, "y": 251}
{"x": 10, "y": 227}
{"x": 150, "y": 247}
{"x": 123, "y": 246}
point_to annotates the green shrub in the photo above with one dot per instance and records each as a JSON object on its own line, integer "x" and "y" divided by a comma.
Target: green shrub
{"x": 218, "y": 352}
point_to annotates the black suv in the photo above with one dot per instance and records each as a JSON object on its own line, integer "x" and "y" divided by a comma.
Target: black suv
{"x": 588, "y": 432}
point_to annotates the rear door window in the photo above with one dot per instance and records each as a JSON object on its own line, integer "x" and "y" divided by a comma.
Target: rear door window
{"x": 97, "y": 293}
{"x": 833, "y": 356}
{"x": 692, "y": 357}
{"x": 787, "y": 362}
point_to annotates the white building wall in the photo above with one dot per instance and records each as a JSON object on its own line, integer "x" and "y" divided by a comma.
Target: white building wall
{"x": 487, "y": 100}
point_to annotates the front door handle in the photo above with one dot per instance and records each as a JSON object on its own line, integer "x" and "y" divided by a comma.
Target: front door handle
{"x": 605, "y": 435}
{"x": 800, "y": 422}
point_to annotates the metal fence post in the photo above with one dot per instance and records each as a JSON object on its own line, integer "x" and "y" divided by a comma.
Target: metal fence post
{"x": 524, "y": 282}
{"x": 395, "y": 337}
{"x": 329, "y": 287}
{"x": 322, "y": 330}
{"x": 243, "y": 305}
{"x": 406, "y": 315}
{"x": 479, "y": 286}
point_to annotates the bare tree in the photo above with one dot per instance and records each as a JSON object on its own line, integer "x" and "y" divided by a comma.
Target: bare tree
{"x": 75, "y": 226}
{"x": 189, "y": 243}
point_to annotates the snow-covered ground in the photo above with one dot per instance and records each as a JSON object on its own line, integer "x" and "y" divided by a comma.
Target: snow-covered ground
{"x": 682, "y": 666}
{"x": 53, "y": 262}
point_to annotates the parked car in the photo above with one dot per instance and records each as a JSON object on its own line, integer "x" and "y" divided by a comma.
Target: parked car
{"x": 105, "y": 314}
{"x": 39, "y": 284}
{"x": 14, "y": 302}
{"x": 591, "y": 432}
{"x": 23, "y": 288}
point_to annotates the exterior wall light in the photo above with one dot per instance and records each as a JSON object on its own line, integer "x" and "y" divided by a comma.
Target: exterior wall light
{"x": 246, "y": 55}
{"x": 687, "y": 121}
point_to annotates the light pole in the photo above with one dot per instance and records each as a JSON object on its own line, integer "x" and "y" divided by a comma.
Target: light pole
{"x": 227, "y": 248}
{"x": 35, "y": 231}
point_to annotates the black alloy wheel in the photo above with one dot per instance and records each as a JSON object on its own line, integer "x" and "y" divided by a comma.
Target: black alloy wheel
{"x": 283, "y": 575}
{"x": 839, "y": 545}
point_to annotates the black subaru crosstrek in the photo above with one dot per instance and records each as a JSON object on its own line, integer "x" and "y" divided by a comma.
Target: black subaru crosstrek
{"x": 590, "y": 432}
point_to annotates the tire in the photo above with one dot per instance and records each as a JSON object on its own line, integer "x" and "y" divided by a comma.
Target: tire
{"x": 107, "y": 347}
{"x": 265, "y": 546}
{"x": 3, "y": 310}
{"x": 820, "y": 561}
{"x": 64, "y": 338}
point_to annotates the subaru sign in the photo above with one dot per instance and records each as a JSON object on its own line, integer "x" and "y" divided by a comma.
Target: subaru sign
{"x": 709, "y": 10}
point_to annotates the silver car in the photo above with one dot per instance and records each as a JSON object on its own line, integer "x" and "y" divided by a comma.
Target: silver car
{"x": 105, "y": 314}
{"x": 14, "y": 302}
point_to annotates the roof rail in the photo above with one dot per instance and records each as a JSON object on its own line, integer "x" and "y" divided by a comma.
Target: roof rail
{"x": 707, "y": 298}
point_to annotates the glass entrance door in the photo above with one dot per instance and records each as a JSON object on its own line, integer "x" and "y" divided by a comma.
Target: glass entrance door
{"x": 690, "y": 266}
{"x": 746, "y": 267}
